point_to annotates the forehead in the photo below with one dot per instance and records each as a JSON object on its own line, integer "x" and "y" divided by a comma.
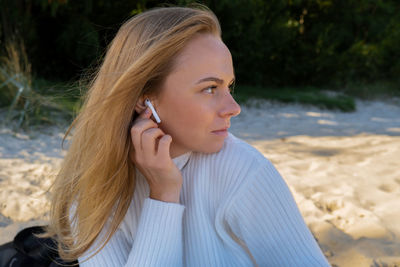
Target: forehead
{"x": 203, "y": 45}
{"x": 204, "y": 55}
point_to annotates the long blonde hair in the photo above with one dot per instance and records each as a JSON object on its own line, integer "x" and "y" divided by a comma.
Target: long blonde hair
{"x": 97, "y": 179}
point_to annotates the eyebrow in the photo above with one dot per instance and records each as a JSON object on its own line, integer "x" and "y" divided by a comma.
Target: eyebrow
{"x": 213, "y": 79}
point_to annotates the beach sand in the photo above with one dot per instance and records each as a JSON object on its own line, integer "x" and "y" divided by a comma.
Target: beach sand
{"x": 342, "y": 168}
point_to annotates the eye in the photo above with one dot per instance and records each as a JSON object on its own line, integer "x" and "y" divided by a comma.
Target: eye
{"x": 210, "y": 89}
{"x": 232, "y": 87}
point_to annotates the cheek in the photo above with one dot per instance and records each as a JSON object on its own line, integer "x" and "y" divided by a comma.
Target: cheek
{"x": 187, "y": 117}
{"x": 192, "y": 116}
{"x": 190, "y": 125}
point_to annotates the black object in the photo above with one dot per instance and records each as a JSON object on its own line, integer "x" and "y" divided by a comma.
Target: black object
{"x": 29, "y": 250}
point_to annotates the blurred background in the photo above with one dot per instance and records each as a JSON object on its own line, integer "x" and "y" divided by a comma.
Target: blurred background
{"x": 318, "y": 82}
{"x": 320, "y": 52}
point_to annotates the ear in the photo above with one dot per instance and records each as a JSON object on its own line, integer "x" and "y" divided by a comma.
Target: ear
{"x": 140, "y": 106}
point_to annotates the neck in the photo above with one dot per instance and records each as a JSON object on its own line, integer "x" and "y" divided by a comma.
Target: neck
{"x": 176, "y": 151}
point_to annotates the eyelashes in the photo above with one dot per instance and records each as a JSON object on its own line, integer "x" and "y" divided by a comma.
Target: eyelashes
{"x": 231, "y": 88}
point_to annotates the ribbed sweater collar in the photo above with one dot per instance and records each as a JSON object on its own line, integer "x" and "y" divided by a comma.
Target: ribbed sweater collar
{"x": 181, "y": 160}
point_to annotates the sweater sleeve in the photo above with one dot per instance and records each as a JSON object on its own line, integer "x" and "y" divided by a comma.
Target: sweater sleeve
{"x": 265, "y": 217}
{"x": 158, "y": 240}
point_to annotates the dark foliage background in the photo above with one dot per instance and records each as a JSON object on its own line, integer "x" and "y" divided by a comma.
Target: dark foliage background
{"x": 273, "y": 43}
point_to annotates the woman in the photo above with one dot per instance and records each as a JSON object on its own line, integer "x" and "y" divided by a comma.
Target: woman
{"x": 184, "y": 192}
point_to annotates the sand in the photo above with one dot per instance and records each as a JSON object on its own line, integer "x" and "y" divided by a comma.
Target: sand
{"x": 342, "y": 168}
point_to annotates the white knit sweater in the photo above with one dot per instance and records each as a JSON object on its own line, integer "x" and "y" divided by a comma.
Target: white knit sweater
{"x": 235, "y": 210}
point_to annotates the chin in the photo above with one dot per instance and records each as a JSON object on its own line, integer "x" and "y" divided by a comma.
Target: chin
{"x": 209, "y": 149}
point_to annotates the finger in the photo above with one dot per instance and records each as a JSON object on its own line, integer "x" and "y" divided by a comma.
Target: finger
{"x": 145, "y": 114}
{"x": 132, "y": 153}
{"x": 149, "y": 141}
{"x": 164, "y": 146}
{"x": 136, "y": 132}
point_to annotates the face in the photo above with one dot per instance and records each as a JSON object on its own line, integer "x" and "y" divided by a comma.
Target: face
{"x": 195, "y": 100}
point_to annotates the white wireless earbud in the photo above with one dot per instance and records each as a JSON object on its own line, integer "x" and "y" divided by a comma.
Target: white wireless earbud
{"x": 148, "y": 103}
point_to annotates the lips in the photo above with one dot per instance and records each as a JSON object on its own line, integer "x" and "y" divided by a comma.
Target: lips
{"x": 222, "y": 129}
{"x": 222, "y": 132}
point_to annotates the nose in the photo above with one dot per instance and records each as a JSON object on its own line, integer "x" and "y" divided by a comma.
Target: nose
{"x": 230, "y": 107}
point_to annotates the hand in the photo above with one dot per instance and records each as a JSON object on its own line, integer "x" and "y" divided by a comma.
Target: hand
{"x": 151, "y": 156}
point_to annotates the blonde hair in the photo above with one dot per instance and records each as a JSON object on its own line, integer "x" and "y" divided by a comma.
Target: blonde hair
{"x": 96, "y": 182}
